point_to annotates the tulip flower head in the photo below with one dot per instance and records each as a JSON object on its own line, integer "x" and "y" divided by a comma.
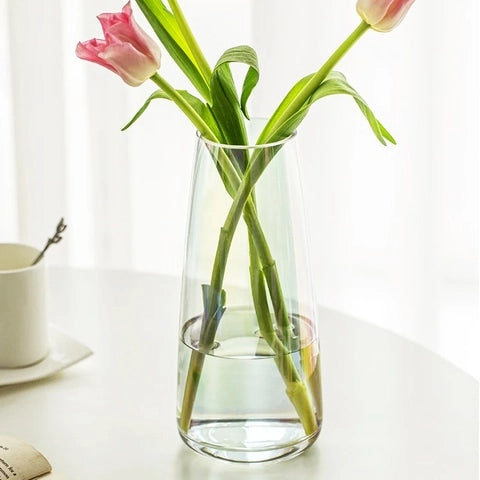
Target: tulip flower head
{"x": 126, "y": 50}
{"x": 383, "y": 15}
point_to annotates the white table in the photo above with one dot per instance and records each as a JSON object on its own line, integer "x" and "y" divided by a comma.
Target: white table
{"x": 393, "y": 410}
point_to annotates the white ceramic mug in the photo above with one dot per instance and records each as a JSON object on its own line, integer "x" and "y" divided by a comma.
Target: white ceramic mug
{"x": 23, "y": 319}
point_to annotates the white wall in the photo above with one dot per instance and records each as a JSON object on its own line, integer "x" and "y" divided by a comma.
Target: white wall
{"x": 394, "y": 230}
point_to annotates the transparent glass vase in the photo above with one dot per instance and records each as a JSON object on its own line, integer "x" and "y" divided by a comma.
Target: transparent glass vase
{"x": 248, "y": 365}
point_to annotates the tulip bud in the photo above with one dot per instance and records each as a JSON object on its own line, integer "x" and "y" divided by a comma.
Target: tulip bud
{"x": 383, "y": 15}
{"x": 127, "y": 50}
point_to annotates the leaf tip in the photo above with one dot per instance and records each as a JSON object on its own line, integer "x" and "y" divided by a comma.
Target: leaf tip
{"x": 245, "y": 112}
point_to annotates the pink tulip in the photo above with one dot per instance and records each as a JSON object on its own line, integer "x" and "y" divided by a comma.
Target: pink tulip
{"x": 127, "y": 50}
{"x": 383, "y": 15}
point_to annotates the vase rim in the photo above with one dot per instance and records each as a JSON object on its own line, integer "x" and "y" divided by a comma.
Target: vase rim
{"x": 247, "y": 147}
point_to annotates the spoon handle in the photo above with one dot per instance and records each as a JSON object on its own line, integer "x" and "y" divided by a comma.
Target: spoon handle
{"x": 55, "y": 239}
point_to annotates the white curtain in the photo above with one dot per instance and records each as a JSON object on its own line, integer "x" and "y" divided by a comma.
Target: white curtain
{"x": 394, "y": 230}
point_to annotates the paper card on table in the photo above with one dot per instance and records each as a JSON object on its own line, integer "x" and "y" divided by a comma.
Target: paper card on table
{"x": 20, "y": 461}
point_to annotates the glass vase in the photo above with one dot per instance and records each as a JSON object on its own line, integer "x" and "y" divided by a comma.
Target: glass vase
{"x": 248, "y": 363}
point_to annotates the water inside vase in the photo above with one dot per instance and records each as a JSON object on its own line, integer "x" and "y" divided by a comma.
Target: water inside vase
{"x": 242, "y": 411}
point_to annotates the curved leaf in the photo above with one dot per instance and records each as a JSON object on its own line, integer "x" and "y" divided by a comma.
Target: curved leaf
{"x": 203, "y": 110}
{"x": 153, "y": 96}
{"x": 334, "y": 84}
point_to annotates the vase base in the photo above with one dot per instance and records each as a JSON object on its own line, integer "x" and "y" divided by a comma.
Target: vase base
{"x": 248, "y": 441}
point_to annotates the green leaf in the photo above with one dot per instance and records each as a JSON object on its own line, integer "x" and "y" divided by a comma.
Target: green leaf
{"x": 227, "y": 108}
{"x": 214, "y": 306}
{"x": 335, "y": 84}
{"x": 165, "y": 25}
{"x": 153, "y": 96}
{"x": 202, "y": 110}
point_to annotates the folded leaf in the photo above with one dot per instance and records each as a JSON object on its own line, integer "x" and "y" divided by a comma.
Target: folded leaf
{"x": 227, "y": 108}
{"x": 246, "y": 55}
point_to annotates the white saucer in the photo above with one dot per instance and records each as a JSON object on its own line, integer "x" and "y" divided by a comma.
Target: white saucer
{"x": 64, "y": 351}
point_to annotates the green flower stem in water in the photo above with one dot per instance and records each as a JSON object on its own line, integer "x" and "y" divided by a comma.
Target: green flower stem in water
{"x": 295, "y": 386}
{"x": 296, "y": 390}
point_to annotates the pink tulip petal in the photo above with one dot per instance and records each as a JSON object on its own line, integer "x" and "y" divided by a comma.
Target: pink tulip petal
{"x": 90, "y": 51}
{"x": 395, "y": 15}
{"x": 372, "y": 11}
{"x": 383, "y": 15}
{"x": 134, "y": 35}
{"x": 122, "y": 57}
{"x": 107, "y": 20}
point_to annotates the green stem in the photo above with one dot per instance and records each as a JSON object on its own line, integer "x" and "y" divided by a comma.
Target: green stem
{"x": 295, "y": 386}
{"x": 268, "y": 267}
{"x": 258, "y": 162}
{"x": 195, "y": 367}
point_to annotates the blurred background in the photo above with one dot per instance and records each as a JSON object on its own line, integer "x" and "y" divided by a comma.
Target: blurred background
{"x": 393, "y": 230}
